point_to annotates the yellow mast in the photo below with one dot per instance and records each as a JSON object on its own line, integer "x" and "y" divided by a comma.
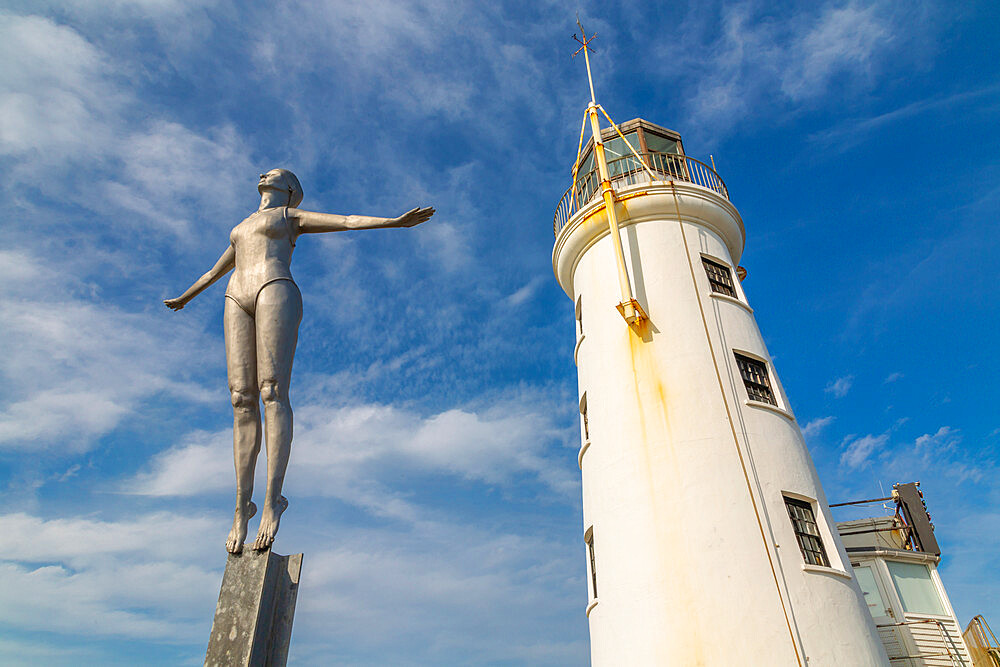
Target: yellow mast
{"x": 629, "y": 307}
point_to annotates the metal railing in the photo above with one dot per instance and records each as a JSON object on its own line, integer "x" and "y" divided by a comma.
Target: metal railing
{"x": 947, "y": 642}
{"x": 629, "y": 170}
{"x": 982, "y": 643}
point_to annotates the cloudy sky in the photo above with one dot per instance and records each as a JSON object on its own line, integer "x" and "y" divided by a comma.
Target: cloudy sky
{"x": 433, "y": 483}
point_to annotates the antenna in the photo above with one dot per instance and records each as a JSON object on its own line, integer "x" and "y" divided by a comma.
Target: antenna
{"x": 629, "y": 308}
{"x": 585, "y": 47}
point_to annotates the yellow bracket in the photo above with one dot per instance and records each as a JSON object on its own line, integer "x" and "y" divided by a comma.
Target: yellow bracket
{"x": 632, "y": 312}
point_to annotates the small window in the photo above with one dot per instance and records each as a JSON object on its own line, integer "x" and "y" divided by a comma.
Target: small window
{"x": 579, "y": 315}
{"x": 754, "y": 374}
{"x": 615, "y": 148}
{"x": 720, "y": 277}
{"x": 658, "y": 144}
{"x": 806, "y": 531}
{"x": 583, "y": 414}
{"x": 589, "y": 538}
{"x": 916, "y": 588}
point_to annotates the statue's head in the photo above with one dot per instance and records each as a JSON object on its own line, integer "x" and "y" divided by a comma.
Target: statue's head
{"x": 282, "y": 179}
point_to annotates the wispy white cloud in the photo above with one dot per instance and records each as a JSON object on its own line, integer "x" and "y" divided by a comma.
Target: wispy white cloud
{"x": 337, "y": 447}
{"x": 943, "y": 440}
{"x": 742, "y": 60}
{"x": 80, "y": 365}
{"x": 28, "y": 653}
{"x": 842, "y": 39}
{"x": 814, "y": 427}
{"x": 941, "y": 453}
{"x": 858, "y": 451}
{"x": 62, "y": 575}
{"x": 76, "y": 130}
{"x": 69, "y": 473}
{"x": 447, "y": 244}
{"x": 55, "y": 599}
{"x": 380, "y": 588}
{"x": 851, "y": 131}
{"x": 165, "y": 159}
{"x": 892, "y": 377}
{"x": 925, "y": 273}
{"x": 52, "y": 102}
{"x": 526, "y": 292}
{"x": 449, "y": 72}
{"x": 83, "y": 541}
{"x": 459, "y": 578}
{"x": 938, "y": 454}
{"x": 840, "y": 386}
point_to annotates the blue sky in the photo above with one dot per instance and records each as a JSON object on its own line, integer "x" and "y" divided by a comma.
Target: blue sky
{"x": 433, "y": 484}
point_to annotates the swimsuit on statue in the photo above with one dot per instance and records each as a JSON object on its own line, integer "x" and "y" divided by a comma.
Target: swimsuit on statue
{"x": 263, "y": 243}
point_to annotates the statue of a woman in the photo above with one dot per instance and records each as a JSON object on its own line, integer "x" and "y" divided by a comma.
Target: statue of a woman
{"x": 262, "y": 315}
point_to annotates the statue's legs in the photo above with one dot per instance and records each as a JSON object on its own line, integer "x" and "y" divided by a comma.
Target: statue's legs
{"x": 241, "y": 367}
{"x": 278, "y": 313}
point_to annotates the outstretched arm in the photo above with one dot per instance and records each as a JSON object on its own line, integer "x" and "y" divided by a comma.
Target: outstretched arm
{"x": 223, "y": 266}
{"x": 309, "y": 222}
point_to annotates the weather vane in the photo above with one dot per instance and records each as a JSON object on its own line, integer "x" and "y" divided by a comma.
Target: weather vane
{"x": 586, "y": 48}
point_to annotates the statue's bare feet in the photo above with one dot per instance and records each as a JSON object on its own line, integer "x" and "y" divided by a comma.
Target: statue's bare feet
{"x": 234, "y": 543}
{"x": 269, "y": 520}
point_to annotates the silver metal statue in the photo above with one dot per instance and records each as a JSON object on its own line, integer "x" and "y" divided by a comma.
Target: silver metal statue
{"x": 262, "y": 314}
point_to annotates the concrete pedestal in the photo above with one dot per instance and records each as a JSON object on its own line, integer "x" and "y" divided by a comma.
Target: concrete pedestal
{"x": 253, "y": 620}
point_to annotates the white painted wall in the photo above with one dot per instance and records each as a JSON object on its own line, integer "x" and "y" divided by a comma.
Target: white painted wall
{"x": 696, "y": 558}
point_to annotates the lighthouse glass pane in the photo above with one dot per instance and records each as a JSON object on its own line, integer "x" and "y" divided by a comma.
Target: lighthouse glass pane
{"x": 615, "y": 148}
{"x": 658, "y": 144}
{"x": 916, "y": 589}
{"x": 620, "y": 158}
{"x": 719, "y": 277}
{"x": 586, "y": 165}
{"x": 754, "y": 374}
{"x": 806, "y": 531}
{"x": 866, "y": 578}
{"x": 593, "y": 563}
{"x": 587, "y": 181}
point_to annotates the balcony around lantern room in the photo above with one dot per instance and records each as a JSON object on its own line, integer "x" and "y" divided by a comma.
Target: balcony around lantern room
{"x": 660, "y": 151}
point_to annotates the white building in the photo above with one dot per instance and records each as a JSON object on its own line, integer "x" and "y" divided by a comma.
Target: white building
{"x": 895, "y": 560}
{"x": 708, "y": 538}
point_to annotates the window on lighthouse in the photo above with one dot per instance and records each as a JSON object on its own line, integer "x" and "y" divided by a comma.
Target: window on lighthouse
{"x": 719, "y": 277}
{"x": 589, "y": 538}
{"x": 754, "y": 374}
{"x": 806, "y": 531}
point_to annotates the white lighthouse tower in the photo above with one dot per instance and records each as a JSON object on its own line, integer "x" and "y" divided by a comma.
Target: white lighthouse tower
{"x": 708, "y": 536}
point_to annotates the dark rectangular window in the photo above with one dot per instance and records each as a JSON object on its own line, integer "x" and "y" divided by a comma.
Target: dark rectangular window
{"x": 720, "y": 277}
{"x": 754, "y": 374}
{"x": 593, "y": 563}
{"x": 586, "y": 424}
{"x": 806, "y": 531}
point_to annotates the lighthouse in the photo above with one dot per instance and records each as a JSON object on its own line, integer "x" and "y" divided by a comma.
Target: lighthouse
{"x": 707, "y": 537}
